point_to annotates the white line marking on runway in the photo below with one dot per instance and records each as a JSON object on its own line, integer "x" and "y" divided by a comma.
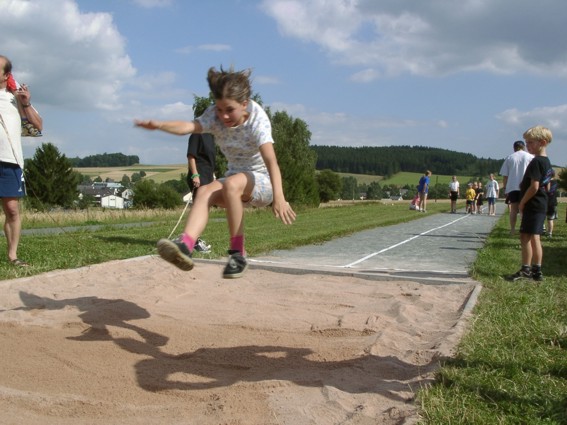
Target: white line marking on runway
{"x": 402, "y": 242}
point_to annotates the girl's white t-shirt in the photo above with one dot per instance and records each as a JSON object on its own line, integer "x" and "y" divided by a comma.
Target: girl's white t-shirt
{"x": 240, "y": 145}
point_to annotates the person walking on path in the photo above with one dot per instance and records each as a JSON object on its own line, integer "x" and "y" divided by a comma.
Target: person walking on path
{"x": 454, "y": 193}
{"x": 533, "y": 204}
{"x": 513, "y": 170}
{"x": 479, "y": 198}
{"x": 243, "y": 132}
{"x": 470, "y": 194}
{"x": 423, "y": 190}
{"x": 492, "y": 191}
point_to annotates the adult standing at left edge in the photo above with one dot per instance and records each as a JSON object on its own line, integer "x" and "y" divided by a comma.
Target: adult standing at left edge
{"x": 11, "y": 156}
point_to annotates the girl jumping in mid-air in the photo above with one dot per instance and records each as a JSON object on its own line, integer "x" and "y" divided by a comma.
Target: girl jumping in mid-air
{"x": 243, "y": 132}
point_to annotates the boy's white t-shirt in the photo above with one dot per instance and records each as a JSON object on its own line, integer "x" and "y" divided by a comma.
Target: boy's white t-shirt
{"x": 240, "y": 145}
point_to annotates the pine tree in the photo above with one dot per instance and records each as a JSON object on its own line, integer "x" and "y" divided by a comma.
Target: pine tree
{"x": 50, "y": 179}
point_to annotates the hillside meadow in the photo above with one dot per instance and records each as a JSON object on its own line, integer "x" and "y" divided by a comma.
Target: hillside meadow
{"x": 162, "y": 173}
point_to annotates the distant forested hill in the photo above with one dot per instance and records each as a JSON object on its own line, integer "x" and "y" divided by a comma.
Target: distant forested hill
{"x": 389, "y": 160}
{"x": 105, "y": 160}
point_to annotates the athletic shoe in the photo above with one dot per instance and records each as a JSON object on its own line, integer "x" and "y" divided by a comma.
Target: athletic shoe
{"x": 537, "y": 276}
{"x": 236, "y": 265}
{"x": 176, "y": 253}
{"x": 202, "y": 246}
{"x": 519, "y": 275}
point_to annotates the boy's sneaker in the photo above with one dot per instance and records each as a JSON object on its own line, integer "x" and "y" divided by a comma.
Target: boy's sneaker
{"x": 537, "y": 276}
{"x": 202, "y": 246}
{"x": 236, "y": 265}
{"x": 519, "y": 275}
{"x": 176, "y": 253}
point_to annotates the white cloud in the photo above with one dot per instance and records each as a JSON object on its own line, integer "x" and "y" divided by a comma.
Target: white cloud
{"x": 553, "y": 117}
{"x": 435, "y": 38}
{"x": 89, "y": 65}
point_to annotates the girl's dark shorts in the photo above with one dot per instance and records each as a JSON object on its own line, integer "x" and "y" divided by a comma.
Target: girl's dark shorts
{"x": 532, "y": 222}
{"x": 11, "y": 181}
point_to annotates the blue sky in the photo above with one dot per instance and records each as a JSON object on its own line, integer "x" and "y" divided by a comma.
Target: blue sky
{"x": 468, "y": 75}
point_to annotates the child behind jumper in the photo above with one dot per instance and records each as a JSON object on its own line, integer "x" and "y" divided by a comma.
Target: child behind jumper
{"x": 243, "y": 132}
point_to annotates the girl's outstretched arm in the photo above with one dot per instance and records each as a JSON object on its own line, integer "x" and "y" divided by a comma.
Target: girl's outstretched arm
{"x": 173, "y": 127}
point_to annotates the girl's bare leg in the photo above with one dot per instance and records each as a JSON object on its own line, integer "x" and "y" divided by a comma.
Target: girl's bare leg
{"x": 209, "y": 195}
{"x": 236, "y": 189}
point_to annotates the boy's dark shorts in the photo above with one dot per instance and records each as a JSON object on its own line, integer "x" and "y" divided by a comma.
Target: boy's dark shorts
{"x": 532, "y": 222}
{"x": 552, "y": 212}
{"x": 513, "y": 197}
{"x": 454, "y": 196}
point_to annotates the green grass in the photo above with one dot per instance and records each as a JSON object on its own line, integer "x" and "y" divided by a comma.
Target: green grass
{"x": 263, "y": 233}
{"x": 511, "y": 366}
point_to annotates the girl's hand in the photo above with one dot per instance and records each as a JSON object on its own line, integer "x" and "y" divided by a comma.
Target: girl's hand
{"x": 284, "y": 212}
{"x": 148, "y": 124}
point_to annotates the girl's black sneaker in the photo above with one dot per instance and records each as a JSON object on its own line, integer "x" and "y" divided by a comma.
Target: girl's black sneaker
{"x": 236, "y": 265}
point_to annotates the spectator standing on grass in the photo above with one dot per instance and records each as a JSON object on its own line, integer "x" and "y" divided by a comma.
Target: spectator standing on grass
{"x": 533, "y": 204}
{"x": 201, "y": 170}
{"x": 12, "y": 188}
{"x": 492, "y": 191}
{"x": 423, "y": 190}
{"x": 513, "y": 170}
{"x": 551, "y": 204}
{"x": 243, "y": 132}
{"x": 454, "y": 193}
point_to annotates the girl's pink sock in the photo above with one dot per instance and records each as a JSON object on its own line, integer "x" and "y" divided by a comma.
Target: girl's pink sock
{"x": 237, "y": 243}
{"x": 188, "y": 241}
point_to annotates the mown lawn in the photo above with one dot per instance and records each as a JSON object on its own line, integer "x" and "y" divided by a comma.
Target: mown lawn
{"x": 511, "y": 367}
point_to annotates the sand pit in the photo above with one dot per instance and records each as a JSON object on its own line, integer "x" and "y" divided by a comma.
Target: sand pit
{"x": 140, "y": 342}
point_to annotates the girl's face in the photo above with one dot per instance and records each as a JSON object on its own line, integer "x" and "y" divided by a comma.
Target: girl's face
{"x": 231, "y": 112}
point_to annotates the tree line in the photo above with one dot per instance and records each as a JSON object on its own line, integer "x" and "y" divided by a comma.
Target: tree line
{"x": 105, "y": 160}
{"x": 389, "y": 160}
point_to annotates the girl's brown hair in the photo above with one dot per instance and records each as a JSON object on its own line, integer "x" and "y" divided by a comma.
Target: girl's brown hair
{"x": 234, "y": 85}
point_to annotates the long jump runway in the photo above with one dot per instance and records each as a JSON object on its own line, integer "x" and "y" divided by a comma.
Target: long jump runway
{"x": 436, "y": 247}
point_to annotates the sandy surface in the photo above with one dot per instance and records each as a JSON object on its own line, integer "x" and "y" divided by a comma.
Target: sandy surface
{"x": 140, "y": 342}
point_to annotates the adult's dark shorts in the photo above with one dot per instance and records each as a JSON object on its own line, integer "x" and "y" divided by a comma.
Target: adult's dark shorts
{"x": 513, "y": 197}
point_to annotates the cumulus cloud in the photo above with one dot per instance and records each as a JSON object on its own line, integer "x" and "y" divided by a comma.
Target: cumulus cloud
{"x": 432, "y": 37}
{"x": 88, "y": 65}
{"x": 553, "y": 117}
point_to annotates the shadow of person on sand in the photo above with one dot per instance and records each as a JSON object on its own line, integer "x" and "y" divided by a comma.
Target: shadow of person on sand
{"x": 98, "y": 314}
{"x": 208, "y": 368}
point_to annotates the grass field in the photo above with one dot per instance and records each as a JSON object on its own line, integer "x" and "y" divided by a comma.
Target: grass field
{"x": 162, "y": 173}
{"x": 158, "y": 173}
{"x": 510, "y": 367}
